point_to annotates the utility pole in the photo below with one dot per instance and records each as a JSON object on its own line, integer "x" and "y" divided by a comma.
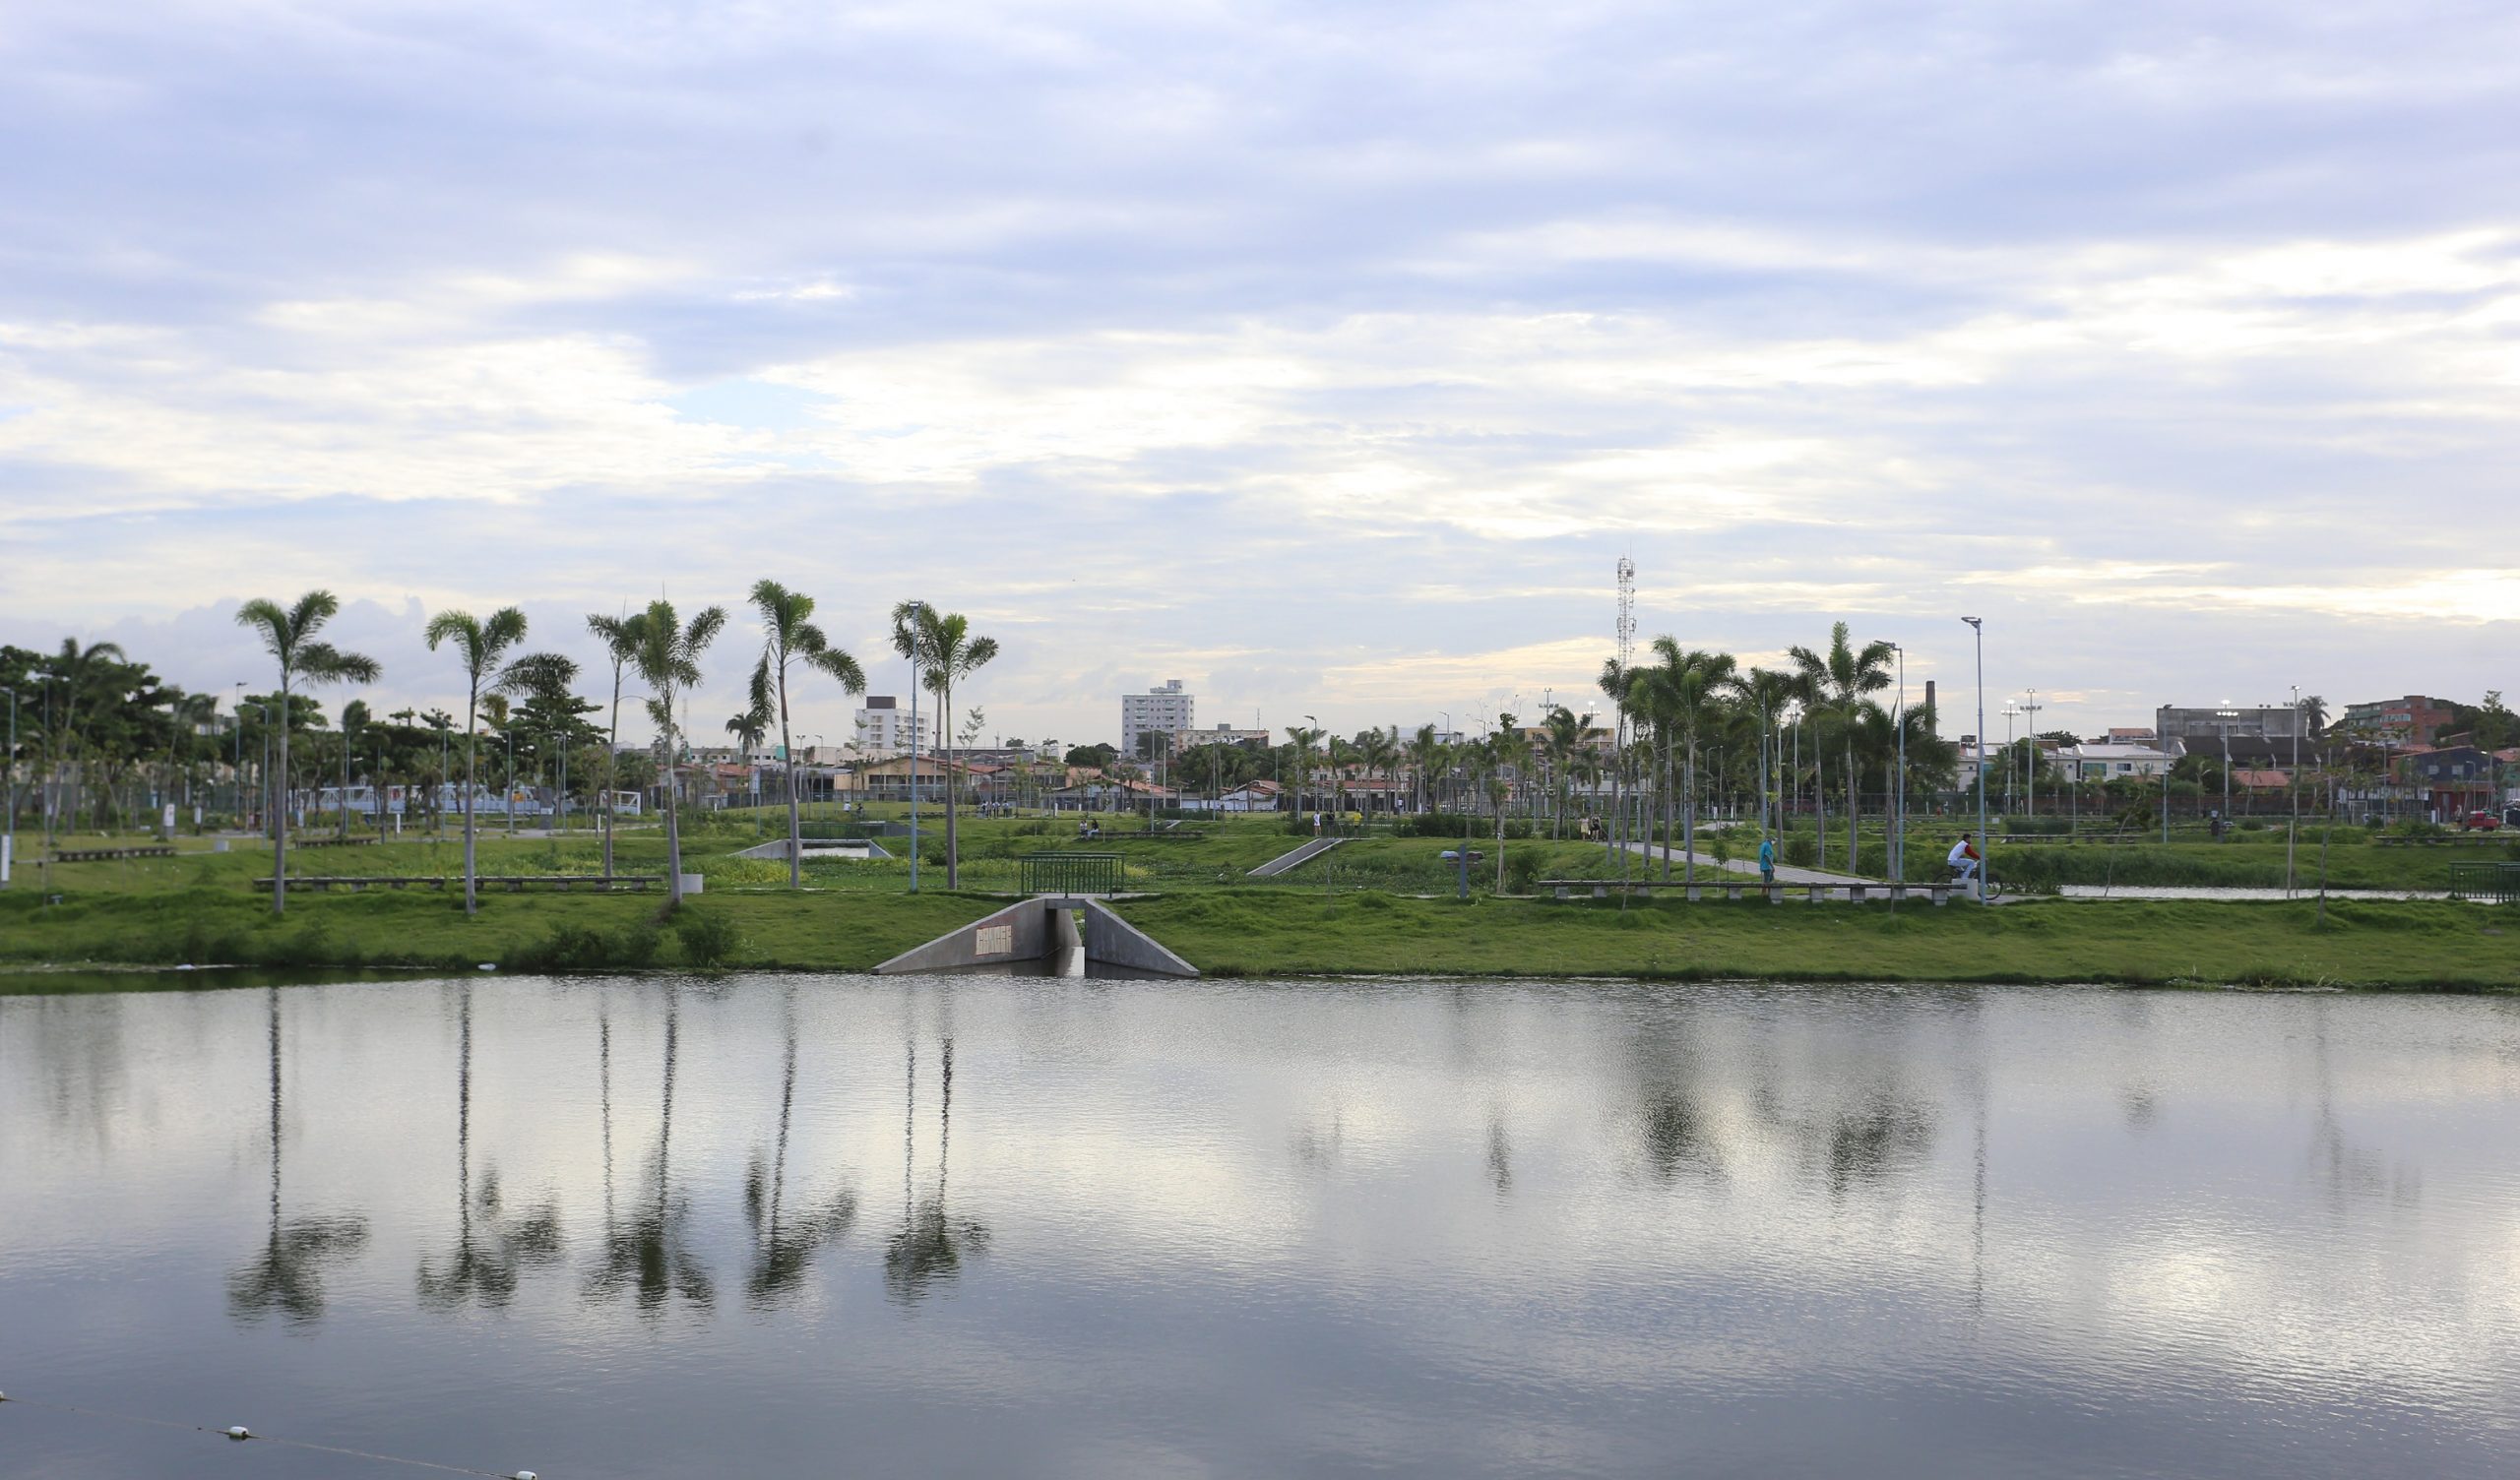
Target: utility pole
{"x": 1898, "y": 851}
{"x": 2030, "y": 708}
{"x": 1985, "y": 862}
{"x": 2294, "y": 785}
{"x": 919, "y": 610}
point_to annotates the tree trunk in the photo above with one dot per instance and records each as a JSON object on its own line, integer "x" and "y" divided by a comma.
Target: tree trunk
{"x": 611, "y": 767}
{"x": 1855, "y": 811}
{"x": 952, "y": 869}
{"x": 472, "y": 747}
{"x": 280, "y": 814}
{"x": 1689, "y": 818}
{"x": 673, "y": 828}
{"x": 796, "y": 824}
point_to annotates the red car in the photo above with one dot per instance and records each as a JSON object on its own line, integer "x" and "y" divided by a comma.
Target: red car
{"x": 2479, "y": 821}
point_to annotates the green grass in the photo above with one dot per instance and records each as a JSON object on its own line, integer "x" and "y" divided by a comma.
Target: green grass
{"x": 1356, "y": 909}
{"x": 2425, "y": 945}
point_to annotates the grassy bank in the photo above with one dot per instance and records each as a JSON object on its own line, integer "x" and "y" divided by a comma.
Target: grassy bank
{"x": 1267, "y": 932}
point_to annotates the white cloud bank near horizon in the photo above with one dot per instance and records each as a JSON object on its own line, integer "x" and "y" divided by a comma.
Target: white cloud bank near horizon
{"x": 1325, "y": 359}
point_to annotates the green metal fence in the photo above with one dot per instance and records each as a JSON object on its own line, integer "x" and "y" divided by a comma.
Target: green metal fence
{"x": 2491, "y": 883}
{"x": 1072, "y": 873}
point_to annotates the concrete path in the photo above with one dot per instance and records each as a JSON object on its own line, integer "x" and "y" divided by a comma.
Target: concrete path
{"x": 1785, "y": 873}
{"x": 1305, "y": 854}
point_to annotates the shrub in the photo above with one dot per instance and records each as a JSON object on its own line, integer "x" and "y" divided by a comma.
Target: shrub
{"x": 1802, "y": 852}
{"x": 1522, "y": 867}
{"x": 580, "y": 948}
{"x": 709, "y": 937}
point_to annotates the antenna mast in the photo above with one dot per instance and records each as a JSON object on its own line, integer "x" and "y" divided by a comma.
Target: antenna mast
{"x": 1626, "y": 612}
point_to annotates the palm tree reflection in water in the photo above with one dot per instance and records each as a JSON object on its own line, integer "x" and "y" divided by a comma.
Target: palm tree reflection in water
{"x": 491, "y": 1252}
{"x": 929, "y": 1247}
{"x": 786, "y": 1243}
{"x": 287, "y": 1277}
{"x": 649, "y": 1256}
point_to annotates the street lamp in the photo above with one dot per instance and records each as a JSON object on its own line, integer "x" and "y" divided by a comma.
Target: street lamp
{"x": 2030, "y": 708}
{"x": 1303, "y": 770}
{"x": 9, "y": 832}
{"x": 262, "y": 799}
{"x": 2227, "y": 715}
{"x": 1898, "y": 849}
{"x": 2012, "y": 711}
{"x": 2292, "y": 784}
{"x": 1985, "y": 863}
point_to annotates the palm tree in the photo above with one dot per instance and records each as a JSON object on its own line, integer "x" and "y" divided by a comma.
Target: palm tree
{"x": 1304, "y": 739}
{"x": 1692, "y": 685}
{"x": 288, "y": 635}
{"x": 1766, "y": 691}
{"x": 621, "y": 638}
{"x": 76, "y": 671}
{"x": 354, "y": 720}
{"x": 668, "y": 658}
{"x": 1511, "y": 749}
{"x": 790, "y": 638}
{"x": 1617, "y": 686}
{"x": 1563, "y": 736}
{"x": 481, "y": 644}
{"x": 1839, "y": 683}
{"x": 942, "y": 650}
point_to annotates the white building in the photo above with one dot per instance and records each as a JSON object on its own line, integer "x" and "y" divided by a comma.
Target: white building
{"x": 1161, "y": 711}
{"x": 884, "y": 728}
{"x": 2103, "y": 763}
{"x": 1186, "y": 741}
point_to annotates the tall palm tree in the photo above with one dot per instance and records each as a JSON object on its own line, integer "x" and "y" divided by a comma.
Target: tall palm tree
{"x": 1424, "y": 750}
{"x": 1509, "y": 749}
{"x": 1617, "y": 686}
{"x": 1686, "y": 688}
{"x": 669, "y": 659}
{"x": 79, "y": 673}
{"x": 789, "y": 638}
{"x": 1564, "y": 735}
{"x": 1839, "y": 683}
{"x": 481, "y": 644}
{"x": 1766, "y": 691}
{"x": 1304, "y": 738}
{"x": 943, "y": 652}
{"x": 354, "y": 720}
{"x": 621, "y": 637}
{"x": 288, "y": 635}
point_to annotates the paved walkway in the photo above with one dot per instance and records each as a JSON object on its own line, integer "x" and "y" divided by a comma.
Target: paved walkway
{"x": 1785, "y": 873}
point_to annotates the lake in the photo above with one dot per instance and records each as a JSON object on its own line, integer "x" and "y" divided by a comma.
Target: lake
{"x": 809, "y": 1225}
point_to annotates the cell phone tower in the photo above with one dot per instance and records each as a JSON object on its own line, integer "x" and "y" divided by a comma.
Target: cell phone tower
{"x": 1626, "y": 612}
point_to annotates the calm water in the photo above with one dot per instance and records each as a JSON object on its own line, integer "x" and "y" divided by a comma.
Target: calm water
{"x": 840, "y": 1225}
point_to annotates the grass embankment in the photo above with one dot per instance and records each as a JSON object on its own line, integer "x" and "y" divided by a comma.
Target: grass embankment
{"x": 1277, "y": 932}
{"x": 2406, "y": 945}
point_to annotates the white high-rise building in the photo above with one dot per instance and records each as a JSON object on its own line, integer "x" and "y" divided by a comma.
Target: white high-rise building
{"x": 1161, "y": 711}
{"x": 884, "y": 728}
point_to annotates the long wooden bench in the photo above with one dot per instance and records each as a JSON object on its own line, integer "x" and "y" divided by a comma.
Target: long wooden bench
{"x": 1740, "y": 889}
{"x": 512, "y": 882}
{"x": 103, "y": 855}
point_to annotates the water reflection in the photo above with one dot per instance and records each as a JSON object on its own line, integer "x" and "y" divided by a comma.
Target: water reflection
{"x": 649, "y": 1256}
{"x": 1277, "y": 1228}
{"x": 493, "y": 1247}
{"x": 784, "y": 1241}
{"x": 285, "y": 1277}
{"x": 930, "y": 1245}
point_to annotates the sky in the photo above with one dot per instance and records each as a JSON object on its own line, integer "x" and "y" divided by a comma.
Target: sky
{"x": 1327, "y": 358}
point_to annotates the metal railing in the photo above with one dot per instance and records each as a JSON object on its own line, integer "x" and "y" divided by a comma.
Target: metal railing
{"x": 2490, "y": 883}
{"x": 1072, "y": 873}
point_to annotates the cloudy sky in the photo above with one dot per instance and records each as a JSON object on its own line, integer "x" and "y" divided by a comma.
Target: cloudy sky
{"x": 1327, "y": 358}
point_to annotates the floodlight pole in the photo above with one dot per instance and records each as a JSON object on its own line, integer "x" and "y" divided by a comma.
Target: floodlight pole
{"x": 1898, "y": 850}
{"x": 2294, "y": 785}
{"x": 1978, "y": 626}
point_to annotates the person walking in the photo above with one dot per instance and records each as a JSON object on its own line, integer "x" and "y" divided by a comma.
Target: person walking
{"x": 1767, "y": 861}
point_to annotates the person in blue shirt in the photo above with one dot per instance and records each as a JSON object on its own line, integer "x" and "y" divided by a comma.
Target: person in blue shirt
{"x": 1767, "y": 860}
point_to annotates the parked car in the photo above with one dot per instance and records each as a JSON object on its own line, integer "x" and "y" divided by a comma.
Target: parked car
{"x": 1453, "y": 855}
{"x": 2479, "y": 821}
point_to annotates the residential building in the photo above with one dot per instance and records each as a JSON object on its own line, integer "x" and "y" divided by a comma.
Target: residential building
{"x": 1162, "y": 709}
{"x": 2115, "y": 760}
{"x": 2411, "y": 721}
{"x": 885, "y": 727}
{"x": 2180, "y": 730}
{"x": 2122, "y": 736}
{"x": 1186, "y": 741}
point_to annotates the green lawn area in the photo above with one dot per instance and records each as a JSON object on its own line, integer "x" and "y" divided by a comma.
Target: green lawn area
{"x": 1376, "y": 904}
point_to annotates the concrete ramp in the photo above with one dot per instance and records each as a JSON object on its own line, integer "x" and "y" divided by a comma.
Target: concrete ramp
{"x": 1058, "y": 937}
{"x": 855, "y": 849}
{"x": 1305, "y": 854}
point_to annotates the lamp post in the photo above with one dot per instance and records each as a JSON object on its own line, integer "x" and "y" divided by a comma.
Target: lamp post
{"x": 1304, "y": 770}
{"x": 2030, "y": 708}
{"x": 2012, "y": 711}
{"x": 2227, "y": 715}
{"x": 8, "y": 829}
{"x": 2293, "y": 784}
{"x": 262, "y": 774}
{"x": 1977, "y": 627}
{"x": 917, "y": 613}
{"x": 1898, "y": 850}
